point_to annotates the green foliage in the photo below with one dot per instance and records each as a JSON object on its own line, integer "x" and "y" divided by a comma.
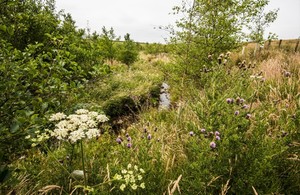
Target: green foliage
{"x": 128, "y": 53}
{"x": 108, "y": 44}
{"x": 44, "y": 64}
{"x": 209, "y": 28}
{"x": 27, "y": 22}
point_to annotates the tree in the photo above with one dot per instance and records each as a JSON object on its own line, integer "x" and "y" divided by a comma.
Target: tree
{"x": 107, "y": 42}
{"x": 259, "y": 23}
{"x": 128, "y": 51}
{"x": 211, "y": 27}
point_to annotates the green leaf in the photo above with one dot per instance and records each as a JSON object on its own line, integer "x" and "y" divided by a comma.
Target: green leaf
{"x": 10, "y": 31}
{"x": 14, "y": 127}
{"x": 29, "y": 113}
{"x": 3, "y": 28}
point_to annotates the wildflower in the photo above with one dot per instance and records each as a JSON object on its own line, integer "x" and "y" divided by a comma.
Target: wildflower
{"x": 140, "y": 177}
{"x": 58, "y": 116}
{"x": 134, "y": 186}
{"x": 217, "y": 133}
{"x": 81, "y": 111}
{"x": 124, "y": 171}
{"x": 127, "y": 134}
{"x": 242, "y": 100}
{"x": 129, "y": 145}
{"x": 91, "y": 133}
{"x": 142, "y": 185}
{"x": 142, "y": 170}
{"x": 202, "y": 130}
{"x": 122, "y": 187}
{"x": 248, "y": 116}
{"x": 102, "y": 118}
{"x": 135, "y": 167}
{"x": 236, "y": 112}
{"x": 213, "y": 145}
{"x": 149, "y": 136}
{"x": 191, "y": 133}
{"x": 119, "y": 140}
{"x": 287, "y": 74}
{"x": 229, "y": 100}
{"x": 76, "y": 135}
{"x": 129, "y": 166}
{"x": 129, "y": 138}
{"x": 117, "y": 177}
{"x": 245, "y": 106}
{"x": 218, "y": 138}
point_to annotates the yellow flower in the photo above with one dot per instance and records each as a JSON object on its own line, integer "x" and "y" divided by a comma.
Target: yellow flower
{"x": 117, "y": 177}
{"x": 134, "y": 186}
{"x": 122, "y": 187}
{"x": 142, "y": 171}
{"x": 140, "y": 177}
{"x": 142, "y": 185}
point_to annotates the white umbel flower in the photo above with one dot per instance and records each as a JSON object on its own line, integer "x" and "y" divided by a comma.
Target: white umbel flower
{"x": 91, "y": 133}
{"x": 57, "y": 117}
{"x": 102, "y": 118}
{"x": 76, "y": 135}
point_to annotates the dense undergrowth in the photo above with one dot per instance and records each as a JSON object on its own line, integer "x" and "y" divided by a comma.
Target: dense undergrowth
{"x": 233, "y": 129}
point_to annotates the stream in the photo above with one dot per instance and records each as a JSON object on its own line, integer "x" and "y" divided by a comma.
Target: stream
{"x": 164, "y": 97}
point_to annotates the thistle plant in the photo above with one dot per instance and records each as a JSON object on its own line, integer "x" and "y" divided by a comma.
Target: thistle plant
{"x": 130, "y": 178}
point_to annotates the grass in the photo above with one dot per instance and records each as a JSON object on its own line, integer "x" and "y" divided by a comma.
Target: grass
{"x": 258, "y": 150}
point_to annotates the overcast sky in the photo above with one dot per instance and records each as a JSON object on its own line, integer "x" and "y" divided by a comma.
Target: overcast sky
{"x": 141, "y": 18}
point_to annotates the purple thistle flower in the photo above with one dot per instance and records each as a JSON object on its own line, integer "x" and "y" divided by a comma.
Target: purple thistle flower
{"x": 229, "y": 100}
{"x": 218, "y": 138}
{"x": 119, "y": 140}
{"x": 217, "y": 133}
{"x": 191, "y": 133}
{"x": 242, "y": 100}
{"x": 248, "y": 116}
{"x": 149, "y": 136}
{"x": 129, "y": 138}
{"x": 287, "y": 74}
{"x": 129, "y": 145}
{"x": 236, "y": 112}
{"x": 127, "y": 134}
{"x": 202, "y": 130}
{"x": 213, "y": 145}
{"x": 245, "y": 106}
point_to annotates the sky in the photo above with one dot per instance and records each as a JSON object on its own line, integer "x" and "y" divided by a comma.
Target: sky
{"x": 141, "y": 18}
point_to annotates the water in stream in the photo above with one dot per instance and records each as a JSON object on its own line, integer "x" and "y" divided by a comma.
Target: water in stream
{"x": 164, "y": 98}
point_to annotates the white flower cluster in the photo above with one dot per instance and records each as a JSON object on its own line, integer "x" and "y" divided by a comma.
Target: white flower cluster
{"x": 77, "y": 126}
{"x": 132, "y": 177}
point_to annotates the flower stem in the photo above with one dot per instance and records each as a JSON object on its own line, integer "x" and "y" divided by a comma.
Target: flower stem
{"x": 83, "y": 167}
